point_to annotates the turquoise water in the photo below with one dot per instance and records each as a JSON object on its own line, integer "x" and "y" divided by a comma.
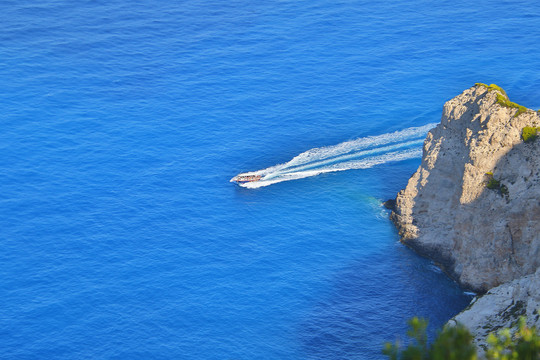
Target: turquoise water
{"x": 122, "y": 124}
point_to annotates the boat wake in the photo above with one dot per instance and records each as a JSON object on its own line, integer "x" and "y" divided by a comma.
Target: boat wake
{"x": 361, "y": 153}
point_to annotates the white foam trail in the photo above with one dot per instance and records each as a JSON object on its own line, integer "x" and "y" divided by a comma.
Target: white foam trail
{"x": 349, "y": 165}
{"x": 352, "y": 156}
{"x": 355, "y": 154}
{"x": 358, "y": 144}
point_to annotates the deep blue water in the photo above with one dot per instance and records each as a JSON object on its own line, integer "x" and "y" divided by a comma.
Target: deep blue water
{"x": 122, "y": 123}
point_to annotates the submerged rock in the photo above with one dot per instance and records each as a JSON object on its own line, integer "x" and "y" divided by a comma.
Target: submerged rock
{"x": 390, "y": 204}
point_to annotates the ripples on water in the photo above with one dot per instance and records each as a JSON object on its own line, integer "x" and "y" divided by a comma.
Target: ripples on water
{"x": 122, "y": 124}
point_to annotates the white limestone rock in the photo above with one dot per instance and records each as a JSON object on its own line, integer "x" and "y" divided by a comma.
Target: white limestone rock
{"x": 479, "y": 236}
{"x": 501, "y": 306}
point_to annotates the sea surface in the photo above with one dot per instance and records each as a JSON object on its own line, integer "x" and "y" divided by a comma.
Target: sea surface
{"x": 122, "y": 123}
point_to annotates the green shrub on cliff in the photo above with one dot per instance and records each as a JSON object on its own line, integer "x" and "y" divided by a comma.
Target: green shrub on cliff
{"x": 493, "y": 87}
{"x": 508, "y": 344}
{"x": 529, "y": 133}
{"x": 502, "y": 98}
{"x": 417, "y": 350}
{"x": 455, "y": 343}
{"x": 504, "y": 101}
{"x": 493, "y": 184}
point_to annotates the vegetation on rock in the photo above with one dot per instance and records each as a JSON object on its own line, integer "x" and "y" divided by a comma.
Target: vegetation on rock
{"x": 495, "y": 184}
{"x": 493, "y": 87}
{"x": 529, "y": 133}
{"x": 507, "y": 103}
{"x": 502, "y": 98}
{"x": 455, "y": 343}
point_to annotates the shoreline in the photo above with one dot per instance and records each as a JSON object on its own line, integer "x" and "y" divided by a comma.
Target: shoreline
{"x": 470, "y": 205}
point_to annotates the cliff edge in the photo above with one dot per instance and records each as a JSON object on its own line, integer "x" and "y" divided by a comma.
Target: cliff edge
{"x": 473, "y": 205}
{"x": 501, "y": 306}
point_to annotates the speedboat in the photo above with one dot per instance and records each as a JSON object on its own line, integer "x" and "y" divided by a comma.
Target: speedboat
{"x": 241, "y": 179}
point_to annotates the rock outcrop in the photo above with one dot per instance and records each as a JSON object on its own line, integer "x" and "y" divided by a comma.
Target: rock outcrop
{"x": 473, "y": 205}
{"x": 500, "y": 307}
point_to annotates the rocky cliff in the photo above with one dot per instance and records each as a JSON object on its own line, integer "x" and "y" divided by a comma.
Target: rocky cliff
{"x": 501, "y": 306}
{"x": 473, "y": 205}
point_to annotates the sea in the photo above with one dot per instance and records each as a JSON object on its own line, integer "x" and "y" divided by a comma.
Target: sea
{"x": 123, "y": 122}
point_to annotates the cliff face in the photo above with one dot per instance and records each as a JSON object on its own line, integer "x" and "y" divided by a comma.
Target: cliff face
{"x": 481, "y": 236}
{"x": 500, "y": 307}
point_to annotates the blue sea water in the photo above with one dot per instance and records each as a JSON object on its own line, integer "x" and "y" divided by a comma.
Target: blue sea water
{"x": 121, "y": 236}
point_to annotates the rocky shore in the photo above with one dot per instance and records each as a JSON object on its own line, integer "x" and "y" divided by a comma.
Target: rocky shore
{"x": 473, "y": 205}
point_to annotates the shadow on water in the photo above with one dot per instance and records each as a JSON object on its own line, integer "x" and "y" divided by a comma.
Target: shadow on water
{"x": 492, "y": 233}
{"x": 361, "y": 307}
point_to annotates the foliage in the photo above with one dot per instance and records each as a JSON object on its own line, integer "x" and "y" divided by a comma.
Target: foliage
{"x": 456, "y": 343}
{"x": 416, "y": 351}
{"x": 504, "y": 101}
{"x": 524, "y": 344}
{"x": 529, "y": 133}
{"x": 493, "y": 184}
{"x": 453, "y": 343}
{"x": 502, "y": 98}
{"x": 493, "y": 87}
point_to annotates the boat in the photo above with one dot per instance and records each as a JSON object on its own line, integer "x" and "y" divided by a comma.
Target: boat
{"x": 240, "y": 179}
